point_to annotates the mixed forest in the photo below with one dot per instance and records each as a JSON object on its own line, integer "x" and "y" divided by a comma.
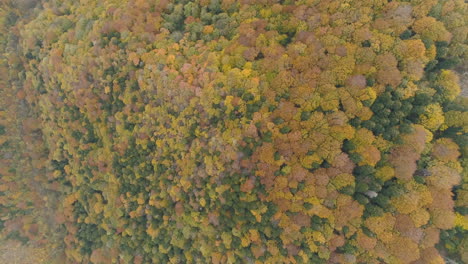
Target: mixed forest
{"x": 226, "y": 131}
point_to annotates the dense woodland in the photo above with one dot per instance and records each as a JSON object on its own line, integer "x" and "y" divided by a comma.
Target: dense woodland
{"x": 224, "y": 131}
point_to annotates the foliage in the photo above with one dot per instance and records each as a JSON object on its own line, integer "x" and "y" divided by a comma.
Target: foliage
{"x": 237, "y": 131}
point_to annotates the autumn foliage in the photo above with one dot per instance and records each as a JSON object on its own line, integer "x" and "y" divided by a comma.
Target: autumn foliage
{"x": 221, "y": 131}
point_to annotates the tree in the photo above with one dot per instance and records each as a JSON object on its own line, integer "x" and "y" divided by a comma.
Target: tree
{"x": 445, "y": 150}
{"x": 433, "y": 118}
{"x": 430, "y": 28}
{"x": 448, "y": 81}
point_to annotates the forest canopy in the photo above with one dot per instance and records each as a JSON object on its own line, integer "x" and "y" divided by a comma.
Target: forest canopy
{"x": 223, "y": 131}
